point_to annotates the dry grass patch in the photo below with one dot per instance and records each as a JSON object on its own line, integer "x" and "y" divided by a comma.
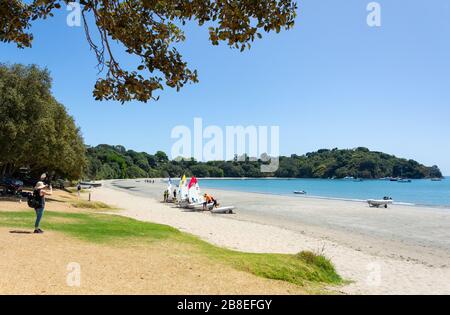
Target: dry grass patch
{"x": 91, "y": 205}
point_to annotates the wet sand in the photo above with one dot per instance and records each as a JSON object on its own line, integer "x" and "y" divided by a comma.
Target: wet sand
{"x": 402, "y": 249}
{"x": 348, "y": 222}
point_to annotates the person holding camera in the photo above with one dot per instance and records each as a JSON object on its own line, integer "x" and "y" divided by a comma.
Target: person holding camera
{"x": 40, "y": 191}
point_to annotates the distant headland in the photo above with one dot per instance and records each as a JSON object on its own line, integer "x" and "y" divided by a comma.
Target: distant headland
{"x": 115, "y": 161}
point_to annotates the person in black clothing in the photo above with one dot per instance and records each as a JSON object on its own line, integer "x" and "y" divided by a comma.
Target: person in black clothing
{"x": 40, "y": 191}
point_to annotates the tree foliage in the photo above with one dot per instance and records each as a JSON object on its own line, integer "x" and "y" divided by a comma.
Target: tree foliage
{"x": 35, "y": 130}
{"x": 150, "y": 30}
{"x": 324, "y": 163}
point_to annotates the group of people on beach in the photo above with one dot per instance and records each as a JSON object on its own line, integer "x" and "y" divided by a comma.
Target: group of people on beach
{"x": 209, "y": 199}
{"x": 167, "y": 195}
{"x": 150, "y": 181}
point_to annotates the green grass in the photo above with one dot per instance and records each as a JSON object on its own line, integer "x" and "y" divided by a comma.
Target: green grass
{"x": 304, "y": 269}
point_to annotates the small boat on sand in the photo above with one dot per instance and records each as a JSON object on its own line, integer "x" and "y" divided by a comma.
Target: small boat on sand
{"x": 90, "y": 184}
{"x": 223, "y": 210}
{"x": 379, "y": 203}
{"x": 193, "y": 200}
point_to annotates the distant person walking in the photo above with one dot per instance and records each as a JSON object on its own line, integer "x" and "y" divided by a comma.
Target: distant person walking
{"x": 78, "y": 190}
{"x": 40, "y": 191}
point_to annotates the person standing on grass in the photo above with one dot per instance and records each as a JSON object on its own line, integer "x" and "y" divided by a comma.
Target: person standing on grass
{"x": 40, "y": 191}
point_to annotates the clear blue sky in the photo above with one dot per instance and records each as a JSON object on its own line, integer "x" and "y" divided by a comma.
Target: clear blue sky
{"x": 330, "y": 82}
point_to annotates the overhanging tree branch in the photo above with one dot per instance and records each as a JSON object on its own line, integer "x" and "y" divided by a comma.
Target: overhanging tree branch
{"x": 149, "y": 30}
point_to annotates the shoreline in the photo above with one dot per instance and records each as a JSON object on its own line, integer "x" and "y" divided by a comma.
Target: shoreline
{"x": 314, "y": 197}
{"x": 405, "y": 242}
{"x": 399, "y": 203}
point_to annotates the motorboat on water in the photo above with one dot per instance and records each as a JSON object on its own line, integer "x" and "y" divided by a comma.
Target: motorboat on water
{"x": 300, "y": 192}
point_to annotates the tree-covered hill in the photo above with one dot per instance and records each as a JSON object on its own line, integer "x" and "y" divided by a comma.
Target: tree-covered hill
{"x": 108, "y": 162}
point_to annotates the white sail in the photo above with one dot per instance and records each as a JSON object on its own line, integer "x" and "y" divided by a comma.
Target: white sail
{"x": 195, "y": 195}
{"x": 183, "y": 194}
{"x": 170, "y": 188}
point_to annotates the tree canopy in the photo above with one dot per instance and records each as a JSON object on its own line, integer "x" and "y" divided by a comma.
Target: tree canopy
{"x": 150, "y": 30}
{"x": 36, "y": 131}
{"x": 109, "y": 162}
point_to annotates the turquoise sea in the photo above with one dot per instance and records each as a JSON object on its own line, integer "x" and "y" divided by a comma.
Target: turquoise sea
{"x": 418, "y": 192}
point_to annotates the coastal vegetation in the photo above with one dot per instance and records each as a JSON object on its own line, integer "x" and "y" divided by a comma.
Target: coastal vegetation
{"x": 36, "y": 133}
{"x": 111, "y": 162}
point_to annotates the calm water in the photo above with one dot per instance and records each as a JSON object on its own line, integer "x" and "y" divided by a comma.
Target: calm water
{"x": 420, "y": 192}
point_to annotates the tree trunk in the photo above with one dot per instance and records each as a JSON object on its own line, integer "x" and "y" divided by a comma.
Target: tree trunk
{"x": 3, "y": 171}
{"x": 8, "y": 170}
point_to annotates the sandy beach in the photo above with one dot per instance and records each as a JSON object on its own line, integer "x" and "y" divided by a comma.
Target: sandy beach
{"x": 400, "y": 250}
{"x": 43, "y": 264}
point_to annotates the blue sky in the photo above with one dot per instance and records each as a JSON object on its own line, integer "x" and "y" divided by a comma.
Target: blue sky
{"x": 331, "y": 82}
